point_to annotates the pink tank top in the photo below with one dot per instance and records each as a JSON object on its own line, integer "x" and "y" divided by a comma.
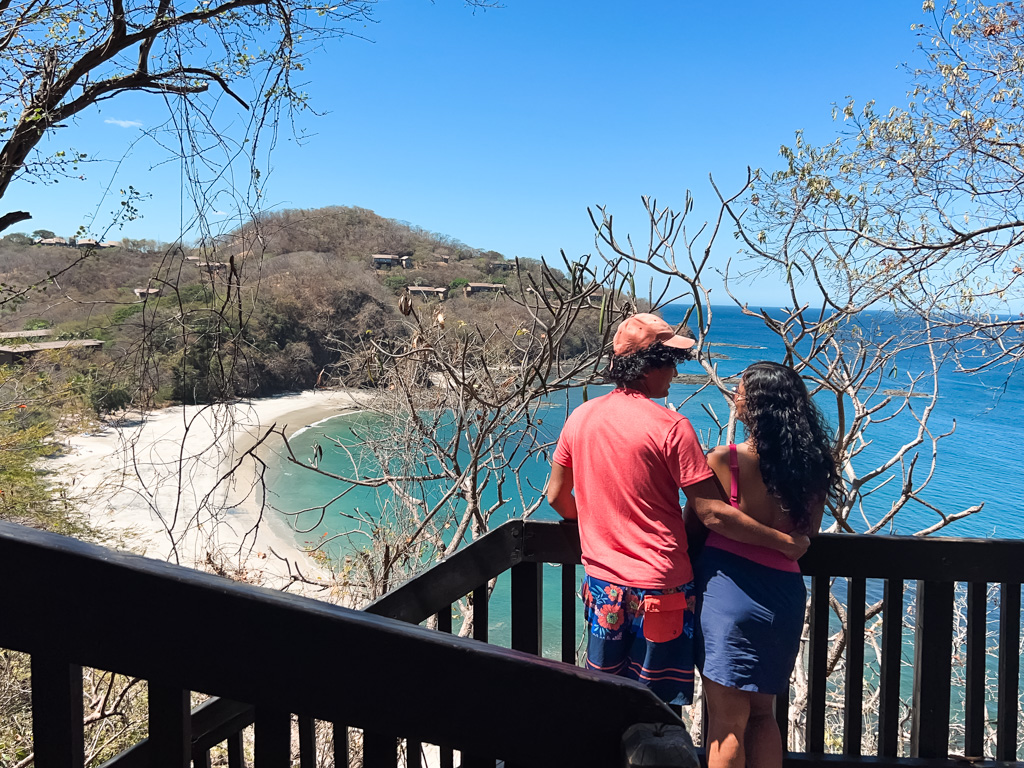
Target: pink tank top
{"x": 770, "y": 558}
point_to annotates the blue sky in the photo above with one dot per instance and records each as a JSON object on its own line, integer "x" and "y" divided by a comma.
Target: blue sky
{"x": 500, "y": 128}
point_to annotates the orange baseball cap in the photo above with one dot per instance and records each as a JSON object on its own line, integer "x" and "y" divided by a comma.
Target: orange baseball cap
{"x": 640, "y": 331}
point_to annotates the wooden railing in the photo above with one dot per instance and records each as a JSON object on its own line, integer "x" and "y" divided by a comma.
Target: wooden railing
{"x": 71, "y": 604}
{"x": 930, "y": 567}
{"x": 362, "y": 670}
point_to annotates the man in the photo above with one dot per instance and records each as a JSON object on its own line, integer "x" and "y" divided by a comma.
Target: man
{"x": 627, "y": 457}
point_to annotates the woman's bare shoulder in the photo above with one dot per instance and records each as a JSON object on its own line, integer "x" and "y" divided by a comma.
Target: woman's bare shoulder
{"x": 719, "y": 455}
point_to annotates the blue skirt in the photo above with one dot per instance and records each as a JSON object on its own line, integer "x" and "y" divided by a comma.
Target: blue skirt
{"x": 749, "y": 620}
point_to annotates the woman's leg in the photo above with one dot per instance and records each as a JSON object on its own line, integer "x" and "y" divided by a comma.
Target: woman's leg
{"x": 728, "y": 714}
{"x": 763, "y": 742}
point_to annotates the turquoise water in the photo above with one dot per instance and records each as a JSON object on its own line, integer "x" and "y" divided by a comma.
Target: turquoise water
{"x": 979, "y": 462}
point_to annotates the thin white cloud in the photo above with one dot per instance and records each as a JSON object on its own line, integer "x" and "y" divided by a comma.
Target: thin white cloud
{"x": 124, "y": 123}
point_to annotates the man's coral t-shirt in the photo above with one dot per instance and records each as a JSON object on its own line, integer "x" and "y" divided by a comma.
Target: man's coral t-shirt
{"x": 629, "y": 458}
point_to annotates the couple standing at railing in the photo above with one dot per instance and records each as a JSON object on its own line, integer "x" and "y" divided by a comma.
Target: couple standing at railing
{"x": 738, "y": 609}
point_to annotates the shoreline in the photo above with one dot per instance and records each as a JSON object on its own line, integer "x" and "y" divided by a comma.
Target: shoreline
{"x": 184, "y": 484}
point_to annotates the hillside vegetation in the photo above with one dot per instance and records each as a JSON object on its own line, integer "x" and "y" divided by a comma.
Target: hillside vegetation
{"x": 286, "y": 303}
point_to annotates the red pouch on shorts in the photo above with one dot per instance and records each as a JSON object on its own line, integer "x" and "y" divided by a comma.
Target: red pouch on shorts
{"x": 664, "y": 616}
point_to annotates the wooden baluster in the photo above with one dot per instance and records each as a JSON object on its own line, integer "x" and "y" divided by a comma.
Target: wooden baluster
{"x": 781, "y": 717}
{"x": 379, "y": 751}
{"x": 854, "y": 708}
{"x": 929, "y": 735}
{"x": 480, "y": 619}
{"x": 340, "y": 745}
{"x": 307, "y": 742}
{"x": 889, "y": 674}
{"x": 444, "y": 624}
{"x": 816, "y": 674}
{"x": 480, "y": 613}
{"x": 570, "y": 610}
{"x": 170, "y": 725}
{"x": 413, "y": 753}
{"x": 236, "y": 751}
{"x": 273, "y": 739}
{"x": 1009, "y": 672}
{"x": 527, "y": 603}
{"x": 974, "y": 694}
{"x": 57, "y": 711}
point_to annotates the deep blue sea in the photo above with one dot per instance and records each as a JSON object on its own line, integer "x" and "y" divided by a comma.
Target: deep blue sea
{"x": 979, "y": 463}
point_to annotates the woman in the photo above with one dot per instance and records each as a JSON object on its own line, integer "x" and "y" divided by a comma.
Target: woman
{"x": 751, "y": 598}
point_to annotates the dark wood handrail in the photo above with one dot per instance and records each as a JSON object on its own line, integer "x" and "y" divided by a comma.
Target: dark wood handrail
{"x": 77, "y": 602}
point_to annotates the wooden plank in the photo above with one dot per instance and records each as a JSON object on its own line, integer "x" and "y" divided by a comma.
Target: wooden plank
{"x": 170, "y": 725}
{"x": 571, "y": 607}
{"x": 974, "y": 693}
{"x": 57, "y": 711}
{"x": 527, "y": 605}
{"x": 817, "y": 677}
{"x": 1009, "y": 694}
{"x": 891, "y": 668}
{"x": 153, "y": 643}
{"x": 853, "y": 710}
{"x": 913, "y": 558}
{"x": 453, "y": 577}
{"x": 551, "y": 542}
{"x": 273, "y": 738}
{"x": 929, "y": 736}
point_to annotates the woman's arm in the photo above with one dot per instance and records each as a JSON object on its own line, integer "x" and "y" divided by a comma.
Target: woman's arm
{"x": 733, "y": 524}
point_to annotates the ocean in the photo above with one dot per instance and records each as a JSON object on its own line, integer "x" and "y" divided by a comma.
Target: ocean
{"x": 980, "y": 462}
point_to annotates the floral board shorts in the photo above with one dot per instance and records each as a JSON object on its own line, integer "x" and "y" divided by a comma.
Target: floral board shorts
{"x": 642, "y": 634}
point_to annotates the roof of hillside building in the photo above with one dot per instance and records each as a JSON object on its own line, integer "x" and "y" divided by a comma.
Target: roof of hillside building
{"x": 26, "y": 334}
{"x": 44, "y": 345}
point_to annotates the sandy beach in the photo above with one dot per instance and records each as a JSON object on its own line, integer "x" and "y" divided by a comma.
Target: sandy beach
{"x": 182, "y": 484}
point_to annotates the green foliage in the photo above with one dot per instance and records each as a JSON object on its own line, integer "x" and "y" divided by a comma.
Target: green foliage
{"x": 396, "y": 282}
{"x": 44, "y": 234}
{"x": 37, "y": 324}
{"x": 17, "y": 238}
{"x": 458, "y": 282}
{"x": 123, "y": 313}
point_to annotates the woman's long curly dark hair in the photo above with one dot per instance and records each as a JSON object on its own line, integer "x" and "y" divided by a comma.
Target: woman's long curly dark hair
{"x": 794, "y": 451}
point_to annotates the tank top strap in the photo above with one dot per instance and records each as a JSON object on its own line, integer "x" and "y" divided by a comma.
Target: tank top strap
{"x": 734, "y": 475}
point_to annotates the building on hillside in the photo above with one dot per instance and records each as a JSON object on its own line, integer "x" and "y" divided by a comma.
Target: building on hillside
{"x": 389, "y": 260}
{"x": 500, "y": 266}
{"x": 58, "y": 241}
{"x": 426, "y": 292}
{"x": 16, "y": 353}
{"x": 145, "y": 293}
{"x": 41, "y": 333}
{"x": 212, "y": 266}
{"x": 473, "y": 288}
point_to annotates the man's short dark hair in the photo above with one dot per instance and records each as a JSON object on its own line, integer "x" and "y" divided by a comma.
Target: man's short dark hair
{"x": 627, "y": 368}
